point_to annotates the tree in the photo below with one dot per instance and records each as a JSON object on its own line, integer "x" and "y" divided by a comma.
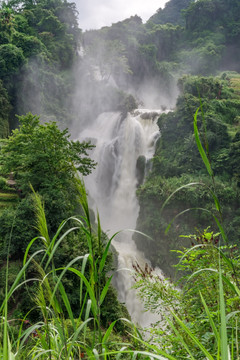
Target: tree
{"x": 30, "y": 45}
{"x": 42, "y": 155}
{"x": 5, "y": 109}
{"x": 172, "y": 13}
{"x": 39, "y": 153}
{"x": 234, "y": 156}
{"x": 6, "y": 23}
{"x": 11, "y": 59}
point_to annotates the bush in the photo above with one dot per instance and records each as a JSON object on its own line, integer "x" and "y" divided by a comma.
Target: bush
{"x": 2, "y": 183}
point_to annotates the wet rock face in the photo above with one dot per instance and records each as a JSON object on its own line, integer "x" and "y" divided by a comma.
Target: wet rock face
{"x": 140, "y": 169}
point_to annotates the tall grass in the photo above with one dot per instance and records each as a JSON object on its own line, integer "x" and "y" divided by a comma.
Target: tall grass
{"x": 58, "y": 335}
{"x": 224, "y": 334}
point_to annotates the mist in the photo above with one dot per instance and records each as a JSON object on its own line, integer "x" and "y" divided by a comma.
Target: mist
{"x": 111, "y": 76}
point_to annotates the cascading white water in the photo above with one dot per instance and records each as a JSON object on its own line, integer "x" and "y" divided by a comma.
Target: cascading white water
{"x": 119, "y": 142}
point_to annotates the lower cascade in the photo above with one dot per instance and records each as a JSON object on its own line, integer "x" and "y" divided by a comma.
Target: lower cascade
{"x": 123, "y": 148}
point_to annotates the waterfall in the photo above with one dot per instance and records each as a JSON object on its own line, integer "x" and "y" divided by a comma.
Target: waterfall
{"x": 119, "y": 144}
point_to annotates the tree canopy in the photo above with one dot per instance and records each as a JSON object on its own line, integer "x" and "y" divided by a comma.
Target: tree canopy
{"x": 38, "y": 45}
{"x": 43, "y": 156}
{"x": 41, "y": 153}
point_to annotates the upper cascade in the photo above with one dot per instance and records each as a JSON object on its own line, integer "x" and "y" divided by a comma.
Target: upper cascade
{"x": 118, "y": 145}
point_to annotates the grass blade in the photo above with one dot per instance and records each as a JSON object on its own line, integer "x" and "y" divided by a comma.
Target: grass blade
{"x": 224, "y": 339}
{"x": 105, "y": 290}
{"x": 193, "y": 337}
{"x": 210, "y": 320}
{"x": 89, "y": 289}
{"x": 179, "y": 189}
{"x": 104, "y": 256}
{"x": 200, "y": 147}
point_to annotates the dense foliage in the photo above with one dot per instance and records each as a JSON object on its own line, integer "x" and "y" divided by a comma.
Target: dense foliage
{"x": 38, "y": 45}
{"x": 172, "y": 13}
{"x": 178, "y": 165}
{"x": 44, "y": 158}
{"x": 5, "y": 109}
{"x": 195, "y": 300}
{"x": 59, "y": 318}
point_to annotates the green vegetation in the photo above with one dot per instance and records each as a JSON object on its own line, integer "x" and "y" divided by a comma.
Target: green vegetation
{"x": 56, "y": 297}
{"x": 7, "y": 199}
{"x": 172, "y": 13}
{"x": 45, "y": 157}
{"x": 34, "y": 149}
{"x": 41, "y": 156}
{"x": 56, "y": 333}
{"x": 201, "y": 321}
{"x": 198, "y": 324}
{"x": 200, "y": 318}
{"x": 175, "y": 166}
{"x": 38, "y": 45}
{"x": 4, "y": 112}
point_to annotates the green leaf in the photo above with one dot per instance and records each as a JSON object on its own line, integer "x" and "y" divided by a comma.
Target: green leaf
{"x": 89, "y": 289}
{"x": 179, "y": 189}
{"x": 108, "y": 332}
{"x": 210, "y": 320}
{"x": 28, "y": 248}
{"x": 104, "y": 255}
{"x": 153, "y": 349}
{"x": 180, "y": 214}
{"x": 224, "y": 278}
{"x": 120, "y": 353}
{"x": 87, "y": 312}
{"x": 200, "y": 147}
{"x": 105, "y": 290}
{"x": 64, "y": 270}
{"x": 76, "y": 335}
{"x": 224, "y": 236}
{"x": 216, "y": 201}
{"x": 18, "y": 277}
{"x": 232, "y": 314}
{"x": 179, "y": 337}
{"x": 67, "y": 304}
{"x": 193, "y": 337}
{"x": 53, "y": 250}
{"x": 85, "y": 259}
{"x": 224, "y": 339}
